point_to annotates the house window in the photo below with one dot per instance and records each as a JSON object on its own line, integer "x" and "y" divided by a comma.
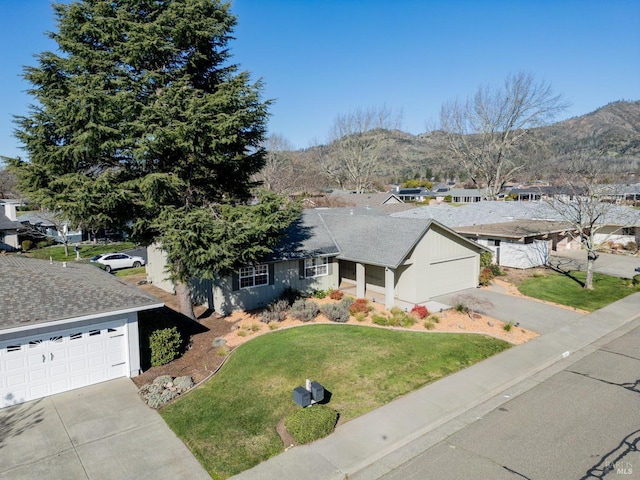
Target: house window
{"x": 316, "y": 267}
{"x": 254, "y": 276}
{"x": 629, "y": 231}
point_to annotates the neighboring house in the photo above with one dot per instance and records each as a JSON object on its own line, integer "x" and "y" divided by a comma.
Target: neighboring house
{"x": 413, "y": 194}
{"x": 386, "y": 202}
{"x": 44, "y": 224}
{"x": 8, "y": 226}
{"x": 391, "y": 258}
{"x": 461, "y": 195}
{"x": 64, "y": 327}
{"x": 522, "y": 244}
{"x": 620, "y": 225}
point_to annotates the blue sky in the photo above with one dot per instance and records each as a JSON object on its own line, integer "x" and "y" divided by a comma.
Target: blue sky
{"x": 322, "y": 58}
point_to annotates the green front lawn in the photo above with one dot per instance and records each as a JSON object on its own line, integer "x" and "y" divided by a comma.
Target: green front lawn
{"x": 86, "y": 251}
{"x": 230, "y": 422}
{"x": 566, "y": 289}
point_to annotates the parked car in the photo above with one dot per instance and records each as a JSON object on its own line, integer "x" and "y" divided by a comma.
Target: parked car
{"x": 116, "y": 261}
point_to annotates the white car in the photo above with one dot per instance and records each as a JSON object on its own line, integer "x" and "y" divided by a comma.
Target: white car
{"x": 116, "y": 261}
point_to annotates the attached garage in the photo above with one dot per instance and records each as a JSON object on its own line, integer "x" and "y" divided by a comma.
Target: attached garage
{"x": 453, "y": 275}
{"x": 403, "y": 259}
{"x": 77, "y": 327}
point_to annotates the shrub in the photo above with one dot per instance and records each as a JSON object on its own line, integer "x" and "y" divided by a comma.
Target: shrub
{"x": 155, "y": 400}
{"x": 420, "y": 311}
{"x": 319, "y": 294}
{"x": 400, "y": 318}
{"x": 162, "y": 380}
{"x": 434, "y": 318}
{"x": 636, "y": 280}
{"x": 290, "y": 295}
{"x": 183, "y": 383}
{"x": 486, "y": 275}
{"x": 165, "y": 346}
{"x": 461, "y": 307}
{"x": 360, "y": 316}
{"x": 335, "y": 312}
{"x": 631, "y": 246}
{"x": 45, "y": 243}
{"x": 27, "y": 245}
{"x": 508, "y": 326}
{"x": 346, "y": 302}
{"x": 496, "y": 270}
{"x": 275, "y": 311}
{"x": 380, "y": 319}
{"x": 429, "y": 325}
{"x": 304, "y": 310}
{"x": 150, "y": 388}
{"x": 360, "y": 305}
{"x": 311, "y": 423}
{"x": 485, "y": 259}
{"x": 336, "y": 294}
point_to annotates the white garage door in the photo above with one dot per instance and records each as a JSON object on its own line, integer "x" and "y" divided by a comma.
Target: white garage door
{"x": 453, "y": 276}
{"x": 36, "y": 366}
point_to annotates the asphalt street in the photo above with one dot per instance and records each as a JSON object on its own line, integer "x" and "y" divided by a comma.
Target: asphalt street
{"x": 583, "y": 422}
{"x": 616, "y": 265}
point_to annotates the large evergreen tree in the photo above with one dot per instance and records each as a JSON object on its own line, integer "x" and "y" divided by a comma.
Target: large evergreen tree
{"x": 140, "y": 117}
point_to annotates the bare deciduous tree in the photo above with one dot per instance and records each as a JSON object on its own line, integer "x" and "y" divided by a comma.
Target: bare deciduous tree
{"x": 589, "y": 205}
{"x": 276, "y": 174}
{"x": 8, "y": 183}
{"x": 356, "y": 149}
{"x": 486, "y": 131}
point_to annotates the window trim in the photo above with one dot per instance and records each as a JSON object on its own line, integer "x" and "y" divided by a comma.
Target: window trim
{"x": 313, "y": 265}
{"x": 251, "y": 274}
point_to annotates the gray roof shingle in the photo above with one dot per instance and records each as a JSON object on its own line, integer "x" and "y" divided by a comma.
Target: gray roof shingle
{"x": 485, "y": 213}
{"x": 374, "y": 239}
{"x": 35, "y": 291}
{"x": 6, "y": 224}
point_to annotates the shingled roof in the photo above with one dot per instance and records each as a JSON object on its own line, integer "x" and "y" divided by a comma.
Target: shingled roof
{"x": 37, "y": 291}
{"x": 373, "y": 239}
{"x": 6, "y": 224}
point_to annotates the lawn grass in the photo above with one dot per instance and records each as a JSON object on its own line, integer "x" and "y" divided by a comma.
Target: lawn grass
{"x": 566, "y": 289}
{"x": 56, "y": 252}
{"x": 229, "y": 422}
{"x": 127, "y": 272}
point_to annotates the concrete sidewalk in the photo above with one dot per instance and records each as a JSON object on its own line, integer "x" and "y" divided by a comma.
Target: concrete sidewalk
{"x": 376, "y": 443}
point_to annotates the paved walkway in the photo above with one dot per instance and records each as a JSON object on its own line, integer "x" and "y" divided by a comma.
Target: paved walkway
{"x": 376, "y": 443}
{"x": 100, "y": 432}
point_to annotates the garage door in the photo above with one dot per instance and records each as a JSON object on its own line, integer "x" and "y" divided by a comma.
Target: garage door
{"x": 452, "y": 276}
{"x": 36, "y": 366}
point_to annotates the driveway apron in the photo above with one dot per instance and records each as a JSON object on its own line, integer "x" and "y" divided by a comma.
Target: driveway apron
{"x": 104, "y": 431}
{"x": 526, "y": 312}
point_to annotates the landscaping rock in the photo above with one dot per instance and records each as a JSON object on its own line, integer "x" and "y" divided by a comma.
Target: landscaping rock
{"x": 219, "y": 342}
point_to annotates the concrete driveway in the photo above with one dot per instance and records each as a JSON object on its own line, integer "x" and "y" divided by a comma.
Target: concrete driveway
{"x": 529, "y": 313}
{"x": 104, "y": 431}
{"x": 615, "y": 265}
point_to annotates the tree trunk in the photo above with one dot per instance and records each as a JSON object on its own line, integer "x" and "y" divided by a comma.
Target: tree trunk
{"x": 183, "y": 294}
{"x": 591, "y": 259}
{"x": 66, "y": 249}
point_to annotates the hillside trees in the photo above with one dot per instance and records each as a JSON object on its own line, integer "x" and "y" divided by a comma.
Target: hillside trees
{"x": 142, "y": 121}
{"x": 488, "y": 132}
{"x": 356, "y": 151}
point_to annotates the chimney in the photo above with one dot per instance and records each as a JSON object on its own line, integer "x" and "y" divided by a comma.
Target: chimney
{"x": 10, "y": 211}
